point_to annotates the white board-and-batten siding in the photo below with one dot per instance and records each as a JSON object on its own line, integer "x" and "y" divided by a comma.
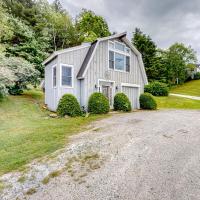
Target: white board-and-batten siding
{"x": 99, "y": 69}
{"x": 72, "y": 58}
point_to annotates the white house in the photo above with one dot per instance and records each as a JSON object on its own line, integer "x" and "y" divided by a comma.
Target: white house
{"x": 108, "y": 65}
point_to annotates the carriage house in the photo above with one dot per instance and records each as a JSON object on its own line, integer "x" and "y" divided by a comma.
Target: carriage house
{"x": 109, "y": 65}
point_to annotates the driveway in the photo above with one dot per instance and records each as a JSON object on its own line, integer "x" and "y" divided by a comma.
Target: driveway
{"x": 147, "y": 155}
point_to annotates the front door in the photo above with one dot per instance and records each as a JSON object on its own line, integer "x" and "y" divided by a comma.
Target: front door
{"x": 107, "y": 91}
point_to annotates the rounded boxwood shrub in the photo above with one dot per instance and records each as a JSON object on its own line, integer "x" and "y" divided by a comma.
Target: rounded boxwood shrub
{"x": 122, "y": 102}
{"x": 98, "y": 104}
{"x": 197, "y": 76}
{"x": 147, "y": 101}
{"x": 157, "y": 89}
{"x": 68, "y": 105}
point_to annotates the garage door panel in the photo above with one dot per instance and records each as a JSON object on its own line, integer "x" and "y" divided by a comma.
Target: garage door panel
{"x": 133, "y": 95}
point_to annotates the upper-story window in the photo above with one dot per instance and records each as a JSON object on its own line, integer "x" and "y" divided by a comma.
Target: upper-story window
{"x": 119, "y": 56}
{"x": 67, "y": 76}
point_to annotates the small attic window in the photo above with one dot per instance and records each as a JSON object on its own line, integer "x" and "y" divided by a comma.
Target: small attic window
{"x": 119, "y": 46}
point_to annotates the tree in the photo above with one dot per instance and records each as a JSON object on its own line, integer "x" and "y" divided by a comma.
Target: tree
{"x": 147, "y": 48}
{"x": 91, "y": 25}
{"x": 176, "y": 60}
{"x": 16, "y": 74}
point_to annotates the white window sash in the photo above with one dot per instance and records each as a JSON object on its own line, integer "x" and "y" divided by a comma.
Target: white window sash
{"x": 72, "y": 76}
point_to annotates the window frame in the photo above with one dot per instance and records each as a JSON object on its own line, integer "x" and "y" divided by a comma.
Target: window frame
{"x": 124, "y": 53}
{"x": 72, "y": 70}
{"x": 54, "y": 67}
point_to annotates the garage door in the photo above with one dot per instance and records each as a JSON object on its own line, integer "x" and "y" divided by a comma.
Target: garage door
{"x": 133, "y": 95}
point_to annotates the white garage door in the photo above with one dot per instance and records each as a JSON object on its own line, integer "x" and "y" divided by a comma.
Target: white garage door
{"x": 133, "y": 95}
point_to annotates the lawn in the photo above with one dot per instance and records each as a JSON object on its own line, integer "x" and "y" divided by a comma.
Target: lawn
{"x": 172, "y": 102}
{"x": 26, "y": 131}
{"x": 189, "y": 88}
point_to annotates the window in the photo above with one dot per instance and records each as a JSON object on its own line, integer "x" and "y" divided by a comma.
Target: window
{"x": 127, "y": 64}
{"x": 111, "y": 45}
{"x": 54, "y": 76}
{"x": 111, "y": 59}
{"x": 66, "y": 76}
{"x": 119, "y": 61}
{"x": 119, "y": 46}
{"x": 119, "y": 56}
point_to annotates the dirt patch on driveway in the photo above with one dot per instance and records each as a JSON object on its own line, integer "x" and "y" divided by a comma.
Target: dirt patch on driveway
{"x": 141, "y": 155}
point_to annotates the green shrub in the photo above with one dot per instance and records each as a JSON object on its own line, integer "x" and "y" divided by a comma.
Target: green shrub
{"x": 68, "y": 105}
{"x": 197, "y": 76}
{"x": 147, "y": 101}
{"x": 98, "y": 104}
{"x": 121, "y": 102}
{"x": 157, "y": 89}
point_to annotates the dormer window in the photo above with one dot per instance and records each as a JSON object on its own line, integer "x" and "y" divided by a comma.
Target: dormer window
{"x": 119, "y": 56}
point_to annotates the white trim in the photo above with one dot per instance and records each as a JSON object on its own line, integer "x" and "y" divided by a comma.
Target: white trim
{"x": 56, "y": 53}
{"x": 72, "y": 67}
{"x": 129, "y": 85}
{"x": 113, "y": 88}
{"x": 119, "y": 52}
{"x": 54, "y": 66}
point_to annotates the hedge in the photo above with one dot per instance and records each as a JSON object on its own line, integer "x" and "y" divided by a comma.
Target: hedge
{"x": 98, "y": 104}
{"x": 157, "y": 89}
{"x": 147, "y": 101}
{"x": 68, "y": 105}
{"x": 122, "y": 102}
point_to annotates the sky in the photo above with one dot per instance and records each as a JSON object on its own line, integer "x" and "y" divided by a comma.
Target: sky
{"x": 166, "y": 21}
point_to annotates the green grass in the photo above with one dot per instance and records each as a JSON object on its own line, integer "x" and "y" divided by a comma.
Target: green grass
{"x": 189, "y": 88}
{"x": 172, "y": 102}
{"x": 27, "y": 133}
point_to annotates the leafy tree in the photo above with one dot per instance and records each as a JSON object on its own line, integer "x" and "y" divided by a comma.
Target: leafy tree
{"x": 91, "y": 25}
{"x": 16, "y": 74}
{"x": 5, "y": 31}
{"x": 23, "y": 43}
{"x": 176, "y": 60}
{"x": 147, "y": 48}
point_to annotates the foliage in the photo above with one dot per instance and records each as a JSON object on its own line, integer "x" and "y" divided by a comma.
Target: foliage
{"x": 28, "y": 133}
{"x": 175, "y": 61}
{"x": 37, "y": 28}
{"x": 147, "y": 48}
{"x": 122, "y": 102}
{"x": 16, "y": 74}
{"x": 171, "y": 66}
{"x": 197, "y": 76}
{"x": 98, "y": 104}
{"x": 147, "y": 101}
{"x": 68, "y": 105}
{"x": 91, "y": 25}
{"x": 157, "y": 89}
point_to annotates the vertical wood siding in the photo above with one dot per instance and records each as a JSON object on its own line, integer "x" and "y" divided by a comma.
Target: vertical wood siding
{"x": 53, "y": 95}
{"x": 132, "y": 94}
{"x": 98, "y": 69}
{"x": 50, "y": 92}
{"x": 74, "y": 58}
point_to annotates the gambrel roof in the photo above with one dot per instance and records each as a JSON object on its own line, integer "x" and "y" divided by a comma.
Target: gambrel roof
{"x": 92, "y": 49}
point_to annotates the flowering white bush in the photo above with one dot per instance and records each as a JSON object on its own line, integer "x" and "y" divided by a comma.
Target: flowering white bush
{"x": 15, "y": 74}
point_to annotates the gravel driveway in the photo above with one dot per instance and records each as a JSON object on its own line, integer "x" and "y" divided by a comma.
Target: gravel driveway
{"x": 143, "y": 156}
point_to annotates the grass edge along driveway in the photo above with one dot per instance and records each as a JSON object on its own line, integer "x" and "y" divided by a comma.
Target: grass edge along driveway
{"x": 27, "y": 133}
